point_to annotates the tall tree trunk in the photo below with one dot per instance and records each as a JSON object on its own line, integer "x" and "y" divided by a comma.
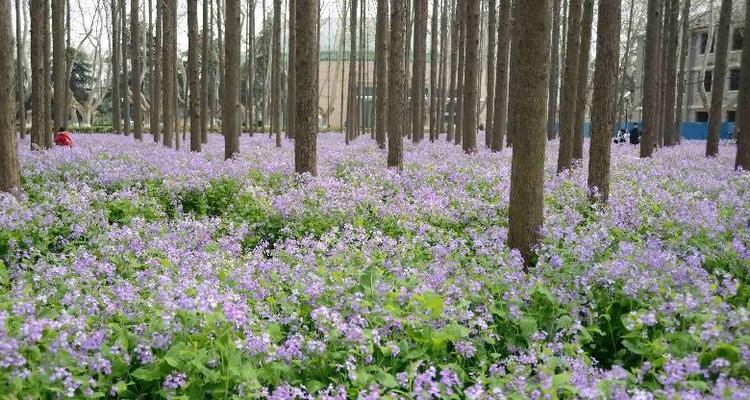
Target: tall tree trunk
{"x": 37, "y": 75}
{"x": 434, "y": 66}
{"x": 396, "y": 101}
{"x": 513, "y": 86}
{"x": 625, "y": 63}
{"x": 470, "y": 79}
{"x": 115, "y": 64}
{"x": 230, "y": 108}
{"x": 168, "y": 71}
{"x": 603, "y": 103}
{"x": 554, "y": 81}
{"x": 583, "y": 78}
{"x": 453, "y": 89}
{"x": 204, "y": 82}
{"x": 684, "y": 43}
{"x": 20, "y": 70}
{"x": 381, "y": 61}
{"x": 500, "y": 112}
{"x": 125, "y": 75}
{"x": 275, "y": 73}
{"x": 651, "y": 78}
{"x": 291, "y": 126}
{"x": 135, "y": 53}
{"x": 156, "y": 91}
{"x": 306, "y": 69}
{"x": 9, "y": 179}
{"x": 221, "y": 55}
{"x": 48, "y": 129}
{"x": 569, "y": 93}
{"x": 351, "y": 111}
{"x": 461, "y": 10}
{"x": 526, "y": 210}
{"x": 743, "y": 141}
{"x": 443, "y": 71}
{"x": 58, "y": 62}
{"x": 670, "y": 135}
{"x": 407, "y": 60}
{"x": 662, "y": 72}
{"x": 251, "y": 68}
{"x": 418, "y": 70}
{"x": 214, "y": 72}
{"x": 193, "y": 78}
{"x": 720, "y": 73}
{"x": 491, "y": 47}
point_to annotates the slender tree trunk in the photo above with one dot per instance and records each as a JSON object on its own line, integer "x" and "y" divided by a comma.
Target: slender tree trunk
{"x": 569, "y": 94}
{"x": 221, "y": 56}
{"x": 500, "y": 112}
{"x": 351, "y": 111}
{"x": 513, "y": 86}
{"x": 9, "y": 178}
{"x": 663, "y": 37}
{"x": 48, "y": 129}
{"x": 743, "y": 140}
{"x": 381, "y": 61}
{"x": 554, "y": 81}
{"x": 443, "y": 71}
{"x": 275, "y": 73}
{"x": 720, "y": 73}
{"x": 650, "y": 80}
{"x": 407, "y": 60}
{"x": 230, "y": 109}
{"x": 168, "y": 71}
{"x": 453, "y": 89}
{"x": 292, "y": 76}
{"x": 526, "y": 210}
{"x": 583, "y": 78}
{"x": 306, "y": 69}
{"x": 58, "y": 62}
{"x": 670, "y": 135}
{"x": 156, "y": 95}
{"x": 621, "y": 113}
{"x": 603, "y": 104}
{"x": 251, "y": 69}
{"x": 434, "y": 66}
{"x": 491, "y": 47}
{"x": 193, "y": 78}
{"x": 37, "y": 74}
{"x": 204, "y": 83}
{"x": 461, "y": 10}
{"x": 20, "y": 70}
{"x": 470, "y": 79}
{"x": 396, "y": 101}
{"x": 125, "y": 75}
{"x": 418, "y": 70}
{"x": 214, "y": 72}
{"x": 684, "y": 43}
{"x": 135, "y": 53}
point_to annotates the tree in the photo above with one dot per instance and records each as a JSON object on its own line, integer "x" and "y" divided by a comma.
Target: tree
{"x": 58, "y": 62}
{"x": 115, "y": 65}
{"x": 500, "y": 112}
{"x": 168, "y": 71}
{"x": 681, "y": 83}
{"x": 434, "y": 66}
{"x": 306, "y": 69}
{"x": 453, "y": 88}
{"x": 418, "y": 70}
{"x": 124, "y": 59}
{"x": 47, "y": 110}
{"x": 275, "y": 73}
{"x": 743, "y": 141}
{"x": 351, "y": 103}
{"x": 230, "y": 108}
{"x": 461, "y": 16}
{"x": 135, "y": 55}
{"x": 9, "y": 179}
{"x": 38, "y": 86}
{"x": 671, "y": 24}
{"x": 251, "y": 67}
{"x": 603, "y": 104}
{"x": 650, "y": 80}
{"x": 193, "y": 79}
{"x": 204, "y": 83}
{"x": 396, "y": 101}
{"x": 491, "y": 47}
{"x": 583, "y": 78}
{"x": 470, "y": 79}
{"x": 554, "y": 73}
{"x": 20, "y": 69}
{"x": 291, "y": 102}
{"x": 720, "y": 73}
{"x": 526, "y": 209}
{"x": 443, "y": 71}
{"x": 381, "y": 67}
{"x": 156, "y": 82}
{"x": 568, "y": 96}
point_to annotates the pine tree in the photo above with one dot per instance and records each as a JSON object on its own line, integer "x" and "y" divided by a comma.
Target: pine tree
{"x": 650, "y": 80}
{"x": 115, "y": 66}
{"x": 554, "y": 81}
{"x": 292, "y": 75}
{"x": 491, "y": 47}
{"x": 168, "y": 71}
{"x": 58, "y": 62}
{"x": 275, "y": 73}
{"x": 156, "y": 82}
{"x": 418, "y": 70}
{"x": 583, "y": 78}
{"x": 135, "y": 55}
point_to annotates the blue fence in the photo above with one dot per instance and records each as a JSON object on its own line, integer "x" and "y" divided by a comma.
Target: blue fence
{"x": 690, "y": 130}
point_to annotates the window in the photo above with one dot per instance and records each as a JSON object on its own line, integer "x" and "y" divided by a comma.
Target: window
{"x": 734, "y": 79}
{"x": 737, "y": 39}
{"x": 708, "y": 78}
{"x": 704, "y": 42}
{"x": 701, "y": 116}
{"x": 731, "y": 116}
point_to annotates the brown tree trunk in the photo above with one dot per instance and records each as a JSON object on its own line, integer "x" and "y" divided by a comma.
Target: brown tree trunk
{"x": 569, "y": 94}
{"x": 204, "y": 83}
{"x": 58, "y": 62}
{"x": 461, "y": 12}
{"x": 20, "y": 70}
{"x": 306, "y": 68}
{"x": 526, "y": 210}
{"x": 670, "y": 135}
{"x": 407, "y": 61}
{"x": 443, "y": 71}
{"x": 135, "y": 52}
{"x": 230, "y": 109}
{"x": 9, "y": 179}
{"x": 115, "y": 65}
{"x": 156, "y": 90}
{"x": 720, "y": 73}
{"x": 470, "y": 79}
{"x": 554, "y": 80}
{"x": 37, "y": 74}
{"x": 500, "y": 112}
{"x": 418, "y": 70}
{"x": 453, "y": 89}
{"x": 351, "y": 103}
{"x": 396, "y": 101}
{"x": 583, "y": 78}
{"x": 513, "y": 86}
{"x": 220, "y": 55}
{"x": 651, "y": 78}
{"x": 124, "y": 59}
{"x": 491, "y": 47}
{"x": 434, "y": 67}
{"x": 743, "y": 104}
{"x": 193, "y": 78}
{"x": 168, "y": 71}
{"x": 621, "y": 113}
{"x": 275, "y": 73}
{"x": 381, "y": 61}
{"x": 291, "y": 126}
{"x": 684, "y": 44}
{"x": 603, "y": 103}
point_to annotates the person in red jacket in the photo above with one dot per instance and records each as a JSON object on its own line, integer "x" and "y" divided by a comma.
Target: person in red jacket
{"x": 62, "y": 138}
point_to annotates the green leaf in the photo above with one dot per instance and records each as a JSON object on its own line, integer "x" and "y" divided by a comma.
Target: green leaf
{"x": 148, "y": 374}
{"x": 313, "y": 386}
{"x": 527, "y": 326}
{"x": 386, "y": 380}
{"x": 633, "y": 347}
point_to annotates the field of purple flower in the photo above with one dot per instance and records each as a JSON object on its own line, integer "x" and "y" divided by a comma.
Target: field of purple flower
{"x": 133, "y": 271}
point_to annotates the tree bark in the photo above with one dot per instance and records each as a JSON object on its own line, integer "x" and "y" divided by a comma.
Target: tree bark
{"x": 500, "y": 112}
{"x": 58, "y": 63}
{"x": 742, "y": 161}
{"x": 651, "y": 78}
{"x": 684, "y": 49}
{"x": 461, "y": 11}
{"x": 351, "y": 107}
{"x": 115, "y": 65}
{"x": 292, "y": 75}
{"x": 9, "y": 178}
{"x": 554, "y": 81}
{"x": 275, "y": 73}
{"x": 125, "y": 75}
{"x": 37, "y": 75}
{"x": 204, "y": 83}
{"x": 251, "y": 69}
{"x": 526, "y": 209}
{"x": 48, "y": 120}
{"x": 230, "y": 109}
{"x": 418, "y": 70}
{"x": 443, "y": 71}
{"x": 193, "y": 78}
{"x": 491, "y": 47}
{"x": 670, "y": 135}
{"x": 396, "y": 101}
{"x": 306, "y": 68}
{"x": 156, "y": 91}
{"x": 603, "y": 104}
{"x": 470, "y": 79}
{"x": 381, "y": 61}
{"x": 569, "y": 93}
{"x": 20, "y": 70}
{"x": 135, "y": 53}
{"x": 434, "y": 67}
{"x": 583, "y": 78}
{"x": 168, "y": 72}
{"x": 720, "y": 73}
{"x": 625, "y": 62}
{"x": 453, "y": 89}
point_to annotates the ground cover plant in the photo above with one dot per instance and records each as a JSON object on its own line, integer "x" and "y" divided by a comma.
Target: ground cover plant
{"x": 135, "y": 271}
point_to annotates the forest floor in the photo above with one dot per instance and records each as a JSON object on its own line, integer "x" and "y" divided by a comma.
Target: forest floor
{"x": 129, "y": 269}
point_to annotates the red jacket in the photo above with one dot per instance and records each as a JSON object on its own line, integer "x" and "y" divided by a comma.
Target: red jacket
{"x": 63, "y": 139}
